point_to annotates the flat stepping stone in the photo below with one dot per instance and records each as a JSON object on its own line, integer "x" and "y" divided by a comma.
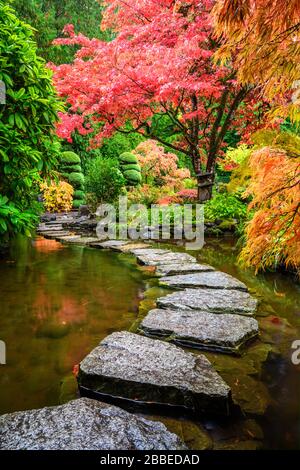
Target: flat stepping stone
{"x": 68, "y": 238}
{"x": 204, "y": 330}
{"x": 55, "y": 235}
{"x": 141, "y": 369}
{"x": 83, "y": 424}
{"x": 52, "y": 228}
{"x": 150, "y": 252}
{"x": 82, "y": 240}
{"x": 210, "y": 280}
{"x": 110, "y": 244}
{"x": 131, "y": 247}
{"x": 187, "y": 268}
{"x": 157, "y": 259}
{"x": 217, "y": 301}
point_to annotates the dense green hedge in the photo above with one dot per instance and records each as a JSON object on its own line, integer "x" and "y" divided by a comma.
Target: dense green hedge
{"x": 29, "y": 148}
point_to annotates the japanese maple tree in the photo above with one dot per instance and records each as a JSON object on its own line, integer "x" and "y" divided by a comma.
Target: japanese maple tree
{"x": 264, "y": 35}
{"x": 159, "y": 64}
{"x": 273, "y": 234}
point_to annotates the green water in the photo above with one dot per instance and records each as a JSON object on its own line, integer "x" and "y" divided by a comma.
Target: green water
{"x": 57, "y": 302}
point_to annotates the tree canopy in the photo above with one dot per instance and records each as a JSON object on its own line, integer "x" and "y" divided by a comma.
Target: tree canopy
{"x": 160, "y": 64}
{"x": 261, "y": 37}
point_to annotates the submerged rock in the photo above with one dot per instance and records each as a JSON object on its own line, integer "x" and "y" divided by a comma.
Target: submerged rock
{"x": 130, "y": 366}
{"x": 186, "y": 268}
{"x": 213, "y": 280}
{"x": 83, "y": 424}
{"x": 218, "y": 301}
{"x": 226, "y": 333}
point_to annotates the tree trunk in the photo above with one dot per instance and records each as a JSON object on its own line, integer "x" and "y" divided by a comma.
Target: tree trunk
{"x": 205, "y": 186}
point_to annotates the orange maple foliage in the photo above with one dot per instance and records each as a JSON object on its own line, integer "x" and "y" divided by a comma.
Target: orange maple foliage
{"x": 273, "y": 234}
{"x": 262, "y": 38}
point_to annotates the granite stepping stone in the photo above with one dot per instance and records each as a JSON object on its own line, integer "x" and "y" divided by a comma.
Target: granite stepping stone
{"x": 210, "y": 280}
{"x": 204, "y": 330}
{"x": 131, "y": 247}
{"x": 217, "y": 301}
{"x": 134, "y": 367}
{"x": 110, "y": 244}
{"x": 84, "y": 424}
{"x": 186, "y": 268}
{"x": 55, "y": 235}
{"x": 161, "y": 259}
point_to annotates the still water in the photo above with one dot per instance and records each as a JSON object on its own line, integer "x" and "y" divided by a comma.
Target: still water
{"x": 57, "y": 302}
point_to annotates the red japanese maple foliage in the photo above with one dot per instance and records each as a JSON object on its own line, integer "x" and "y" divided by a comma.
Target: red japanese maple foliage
{"x": 160, "y": 63}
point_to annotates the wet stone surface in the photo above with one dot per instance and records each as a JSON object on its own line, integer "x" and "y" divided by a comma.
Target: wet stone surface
{"x": 160, "y": 259}
{"x": 186, "y": 268}
{"x": 217, "y": 301}
{"x": 130, "y": 366}
{"x": 226, "y": 333}
{"x": 213, "y": 280}
{"x": 83, "y": 424}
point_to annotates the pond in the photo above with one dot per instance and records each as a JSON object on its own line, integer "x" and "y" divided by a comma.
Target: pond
{"x": 57, "y": 302}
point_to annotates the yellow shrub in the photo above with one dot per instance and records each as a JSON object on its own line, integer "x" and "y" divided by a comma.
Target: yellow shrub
{"x": 58, "y": 197}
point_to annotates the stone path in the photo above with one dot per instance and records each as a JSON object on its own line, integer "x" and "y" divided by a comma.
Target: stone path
{"x": 210, "y": 310}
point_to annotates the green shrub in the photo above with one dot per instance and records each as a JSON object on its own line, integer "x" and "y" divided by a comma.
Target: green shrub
{"x": 104, "y": 181}
{"x": 131, "y": 166}
{"x": 71, "y": 168}
{"x": 79, "y": 194}
{"x": 76, "y": 180}
{"x": 70, "y": 157}
{"x": 29, "y": 148}
{"x": 128, "y": 157}
{"x": 77, "y": 203}
{"x": 133, "y": 176}
{"x": 224, "y": 207}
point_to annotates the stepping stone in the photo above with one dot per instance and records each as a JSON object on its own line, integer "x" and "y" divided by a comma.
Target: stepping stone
{"x": 68, "y": 238}
{"x": 53, "y": 228}
{"x": 225, "y": 333}
{"x": 133, "y": 367}
{"x": 187, "y": 268}
{"x": 55, "y": 235}
{"x": 150, "y": 252}
{"x": 216, "y": 301}
{"x": 83, "y": 424}
{"x": 157, "y": 259}
{"x": 82, "y": 240}
{"x": 110, "y": 244}
{"x": 210, "y": 280}
{"x": 131, "y": 247}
